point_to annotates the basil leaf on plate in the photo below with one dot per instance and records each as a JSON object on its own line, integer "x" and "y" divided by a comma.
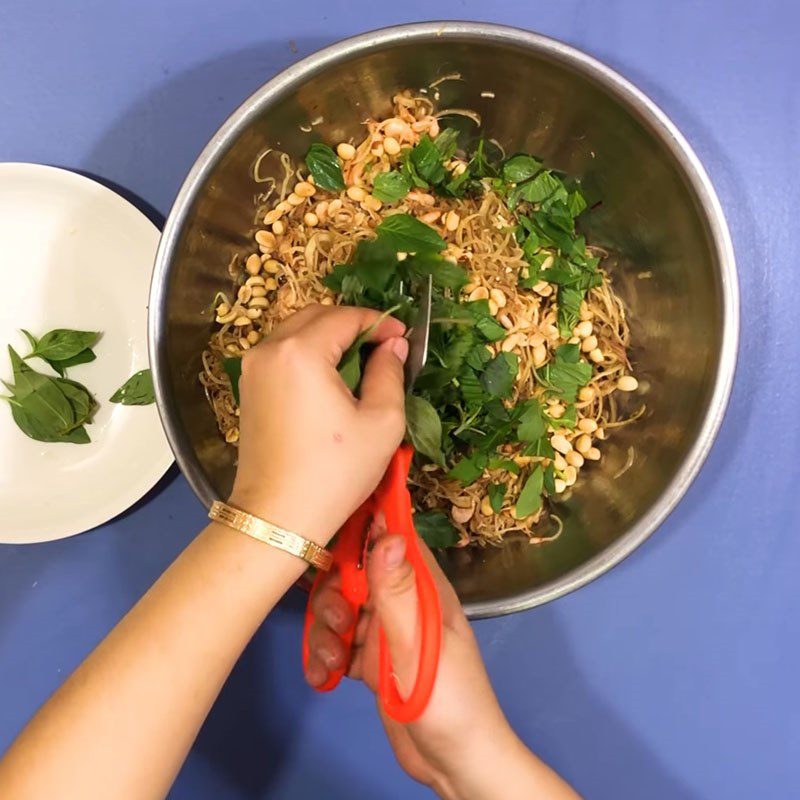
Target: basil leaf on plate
{"x": 136, "y": 391}
{"x": 61, "y": 343}
{"x": 325, "y": 167}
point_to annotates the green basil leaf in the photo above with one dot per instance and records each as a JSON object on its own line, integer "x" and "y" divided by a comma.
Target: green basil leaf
{"x": 445, "y": 274}
{"x": 427, "y": 160}
{"x": 549, "y": 481}
{"x": 485, "y": 323}
{"x": 576, "y": 203}
{"x": 497, "y": 493}
{"x": 569, "y": 308}
{"x": 456, "y": 187}
{"x": 424, "y": 428}
{"x": 62, "y": 343}
{"x": 543, "y": 187}
{"x": 468, "y": 469}
{"x": 446, "y": 143}
{"x": 482, "y": 164}
{"x": 233, "y": 369}
{"x": 41, "y": 397}
{"x": 478, "y": 357}
{"x": 325, "y": 167}
{"x": 498, "y": 377}
{"x": 519, "y": 168}
{"x": 62, "y": 365}
{"x": 471, "y": 388}
{"x": 407, "y": 234}
{"x": 389, "y": 187}
{"x": 506, "y": 464}
{"x": 136, "y": 391}
{"x": 435, "y": 529}
{"x": 374, "y": 263}
{"x": 32, "y": 425}
{"x": 531, "y": 424}
{"x": 568, "y": 353}
{"x": 530, "y": 498}
{"x": 83, "y": 404}
{"x": 565, "y": 379}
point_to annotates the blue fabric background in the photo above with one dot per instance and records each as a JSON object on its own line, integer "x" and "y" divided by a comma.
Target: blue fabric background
{"x": 675, "y": 675}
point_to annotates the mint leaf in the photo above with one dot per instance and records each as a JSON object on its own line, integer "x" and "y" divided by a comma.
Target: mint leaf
{"x": 531, "y": 424}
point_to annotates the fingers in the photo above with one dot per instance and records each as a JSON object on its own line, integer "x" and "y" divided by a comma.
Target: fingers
{"x": 331, "y": 609}
{"x": 331, "y": 330}
{"x": 326, "y": 652}
{"x": 382, "y": 385}
{"x": 394, "y": 593}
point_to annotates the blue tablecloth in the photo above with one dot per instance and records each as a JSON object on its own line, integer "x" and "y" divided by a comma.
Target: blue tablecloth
{"x": 675, "y": 675}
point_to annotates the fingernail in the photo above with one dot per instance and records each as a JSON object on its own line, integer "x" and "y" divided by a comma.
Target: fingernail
{"x": 327, "y": 657}
{"x": 333, "y": 618}
{"x": 394, "y": 554}
{"x": 399, "y": 347}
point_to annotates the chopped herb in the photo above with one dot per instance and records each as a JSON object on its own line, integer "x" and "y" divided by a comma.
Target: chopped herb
{"x": 497, "y": 493}
{"x": 407, "y": 234}
{"x": 435, "y": 529}
{"x": 325, "y": 167}
{"x": 389, "y": 187}
{"x": 530, "y": 498}
{"x": 424, "y": 428}
{"x": 519, "y": 168}
{"x": 498, "y": 377}
{"x": 233, "y": 369}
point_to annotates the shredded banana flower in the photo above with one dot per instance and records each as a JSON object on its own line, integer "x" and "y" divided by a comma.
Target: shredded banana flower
{"x": 305, "y": 235}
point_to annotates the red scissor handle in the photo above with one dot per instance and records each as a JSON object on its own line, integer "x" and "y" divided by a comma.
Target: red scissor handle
{"x": 348, "y": 558}
{"x": 392, "y": 498}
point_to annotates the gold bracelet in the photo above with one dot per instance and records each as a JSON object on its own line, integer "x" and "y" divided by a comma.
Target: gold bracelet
{"x": 271, "y": 534}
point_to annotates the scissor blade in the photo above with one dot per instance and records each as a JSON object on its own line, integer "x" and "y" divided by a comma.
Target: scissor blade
{"x": 418, "y": 336}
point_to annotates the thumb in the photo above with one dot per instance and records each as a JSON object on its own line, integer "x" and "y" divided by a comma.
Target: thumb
{"x": 394, "y": 593}
{"x": 382, "y": 385}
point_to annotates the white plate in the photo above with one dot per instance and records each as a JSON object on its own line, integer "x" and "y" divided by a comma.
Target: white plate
{"x": 73, "y": 254}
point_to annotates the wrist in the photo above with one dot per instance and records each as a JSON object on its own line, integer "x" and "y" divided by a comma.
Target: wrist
{"x": 513, "y": 772}
{"x": 296, "y": 515}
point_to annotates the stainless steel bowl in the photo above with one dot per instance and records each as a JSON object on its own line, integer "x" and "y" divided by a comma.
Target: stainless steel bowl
{"x": 659, "y": 217}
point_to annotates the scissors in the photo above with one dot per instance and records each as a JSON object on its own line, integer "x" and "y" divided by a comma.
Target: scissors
{"x": 349, "y": 556}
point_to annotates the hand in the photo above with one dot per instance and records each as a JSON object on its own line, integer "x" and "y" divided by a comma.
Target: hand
{"x": 462, "y": 746}
{"x": 309, "y": 451}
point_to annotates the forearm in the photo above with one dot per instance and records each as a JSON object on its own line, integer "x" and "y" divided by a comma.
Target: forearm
{"x": 502, "y": 768}
{"x": 122, "y": 724}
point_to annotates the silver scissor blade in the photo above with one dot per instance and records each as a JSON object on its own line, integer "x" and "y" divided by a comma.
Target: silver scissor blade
{"x": 418, "y": 336}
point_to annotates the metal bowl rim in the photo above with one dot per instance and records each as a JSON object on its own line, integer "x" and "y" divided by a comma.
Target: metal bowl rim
{"x": 636, "y": 102}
